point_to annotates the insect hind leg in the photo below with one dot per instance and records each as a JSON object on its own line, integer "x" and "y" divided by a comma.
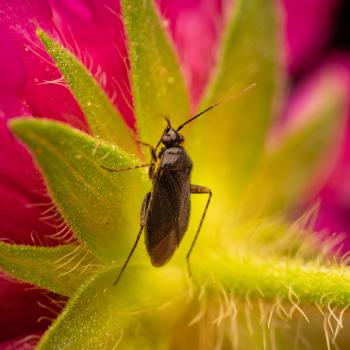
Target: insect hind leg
{"x": 143, "y": 215}
{"x": 195, "y": 189}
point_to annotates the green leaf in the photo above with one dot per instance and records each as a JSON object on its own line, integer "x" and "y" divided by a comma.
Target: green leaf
{"x": 228, "y": 140}
{"x": 157, "y": 83}
{"x": 295, "y": 163}
{"x": 60, "y": 269}
{"x": 103, "y": 118}
{"x": 101, "y": 207}
{"x": 100, "y": 316}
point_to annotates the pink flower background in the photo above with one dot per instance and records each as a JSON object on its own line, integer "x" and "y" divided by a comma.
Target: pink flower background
{"x": 30, "y": 85}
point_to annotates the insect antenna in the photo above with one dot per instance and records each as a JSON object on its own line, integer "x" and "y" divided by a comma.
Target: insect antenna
{"x": 243, "y": 91}
{"x": 168, "y": 121}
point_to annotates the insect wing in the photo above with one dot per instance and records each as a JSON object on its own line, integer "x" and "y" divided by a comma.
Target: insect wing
{"x": 168, "y": 214}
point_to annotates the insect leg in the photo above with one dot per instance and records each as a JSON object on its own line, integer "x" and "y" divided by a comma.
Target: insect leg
{"x": 153, "y": 156}
{"x": 111, "y": 170}
{"x": 143, "y": 215}
{"x": 152, "y": 149}
{"x": 200, "y": 190}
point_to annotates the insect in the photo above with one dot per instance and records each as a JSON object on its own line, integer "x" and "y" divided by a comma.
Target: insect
{"x": 165, "y": 210}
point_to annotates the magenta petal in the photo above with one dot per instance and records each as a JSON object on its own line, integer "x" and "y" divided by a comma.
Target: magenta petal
{"x": 23, "y": 194}
{"x": 13, "y": 76}
{"x": 195, "y": 26}
{"x": 24, "y": 342}
{"x": 21, "y": 185}
{"x": 25, "y": 309}
{"x": 308, "y": 26}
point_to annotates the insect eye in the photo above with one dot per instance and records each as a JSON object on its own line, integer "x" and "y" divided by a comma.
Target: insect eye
{"x": 166, "y": 139}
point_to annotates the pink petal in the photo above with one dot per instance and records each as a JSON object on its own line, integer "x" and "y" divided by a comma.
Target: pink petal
{"x": 24, "y": 342}
{"x": 195, "y": 26}
{"x": 308, "y": 27}
{"x": 25, "y": 309}
{"x": 23, "y": 194}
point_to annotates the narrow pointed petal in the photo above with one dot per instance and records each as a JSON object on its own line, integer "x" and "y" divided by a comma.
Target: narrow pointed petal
{"x": 104, "y": 120}
{"x": 297, "y": 164}
{"x": 24, "y": 200}
{"x": 25, "y": 310}
{"x": 228, "y": 140}
{"x": 196, "y": 27}
{"x": 157, "y": 83}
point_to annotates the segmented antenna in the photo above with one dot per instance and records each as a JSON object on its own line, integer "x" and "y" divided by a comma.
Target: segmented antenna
{"x": 240, "y": 93}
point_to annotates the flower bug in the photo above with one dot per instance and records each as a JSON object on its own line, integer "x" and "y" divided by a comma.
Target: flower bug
{"x": 165, "y": 211}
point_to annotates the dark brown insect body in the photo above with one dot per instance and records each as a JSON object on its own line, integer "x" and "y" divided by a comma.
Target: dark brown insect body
{"x": 169, "y": 208}
{"x": 165, "y": 211}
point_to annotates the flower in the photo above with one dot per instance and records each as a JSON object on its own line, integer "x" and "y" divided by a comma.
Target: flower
{"x": 101, "y": 208}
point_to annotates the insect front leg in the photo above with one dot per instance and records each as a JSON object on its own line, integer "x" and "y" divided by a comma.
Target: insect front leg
{"x": 143, "y": 216}
{"x": 199, "y": 190}
{"x": 153, "y": 158}
{"x": 151, "y": 148}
